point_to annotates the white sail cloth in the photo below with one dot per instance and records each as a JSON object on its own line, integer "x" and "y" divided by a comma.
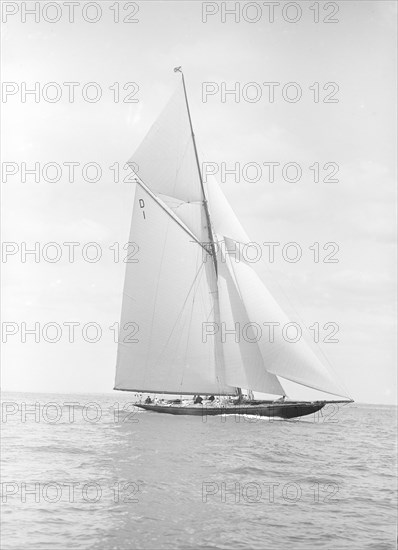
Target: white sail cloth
{"x": 166, "y": 164}
{"x": 282, "y": 355}
{"x": 244, "y": 362}
{"x": 166, "y": 157}
{"x": 168, "y": 295}
{"x": 295, "y": 361}
{"x": 173, "y": 294}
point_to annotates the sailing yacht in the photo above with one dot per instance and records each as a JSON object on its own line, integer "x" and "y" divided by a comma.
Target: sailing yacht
{"x": 189, "y": 282}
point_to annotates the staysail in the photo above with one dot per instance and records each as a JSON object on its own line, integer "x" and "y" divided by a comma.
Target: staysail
{"x": 179, "y": 286}
{"x": 245, "y": 364}
{"x": 295, "y": 361}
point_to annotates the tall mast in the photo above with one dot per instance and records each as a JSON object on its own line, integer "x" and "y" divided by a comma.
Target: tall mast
{"x": 207, "y": 213}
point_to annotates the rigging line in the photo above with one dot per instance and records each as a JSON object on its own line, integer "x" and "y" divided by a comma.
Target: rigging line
{"x": 214, "y": 314}
{"x": 218, "y": 350}
{"x": 174, "y": 204}
{"x": 236, "y": 286}
{"x": 128, "y": 296}
{"x": 189, "y": 329}
{"x": 168, "y": 200}
{"x": 172, "y": 392}
{"x": 156, "y": 295}
{"x": 181, "y": 311}
{"x": 163, "y": 206}
{"x": 295, "y": 381}
{"x": 184, "y": 156}
{"x": 209, "y": 229}
{"x": 313, "y": 346}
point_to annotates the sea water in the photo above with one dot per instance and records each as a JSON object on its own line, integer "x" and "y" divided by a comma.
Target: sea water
{"x": 92, "y": 471}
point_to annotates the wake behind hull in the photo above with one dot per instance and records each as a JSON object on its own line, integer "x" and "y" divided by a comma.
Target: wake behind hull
{"x": 282, "y": 410}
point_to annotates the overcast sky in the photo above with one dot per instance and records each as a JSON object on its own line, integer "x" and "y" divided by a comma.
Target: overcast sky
{"x": 357, "y": 133}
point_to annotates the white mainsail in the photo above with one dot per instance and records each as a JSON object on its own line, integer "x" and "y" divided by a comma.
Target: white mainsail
{"x": 168, "y": 295}
{"x": 174, "y": 290}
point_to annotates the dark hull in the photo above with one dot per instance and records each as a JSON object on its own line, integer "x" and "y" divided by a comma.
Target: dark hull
{"x": 277, "y": 410}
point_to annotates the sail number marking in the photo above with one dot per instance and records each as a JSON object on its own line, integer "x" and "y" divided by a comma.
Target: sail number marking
{"x": 141, "y": 202}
